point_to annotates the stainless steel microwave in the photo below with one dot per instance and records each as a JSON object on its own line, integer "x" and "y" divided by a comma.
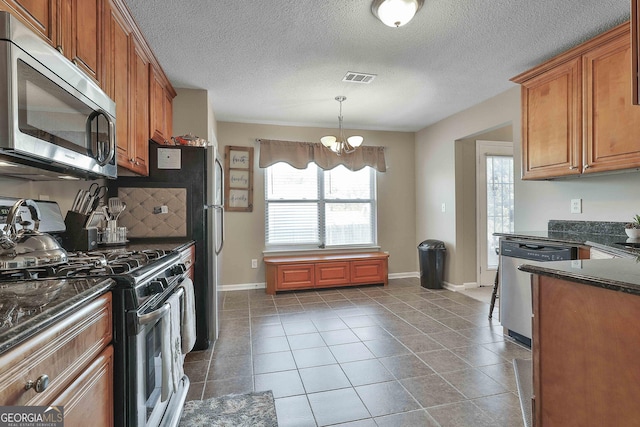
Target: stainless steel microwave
{"x": 55, "y": 119}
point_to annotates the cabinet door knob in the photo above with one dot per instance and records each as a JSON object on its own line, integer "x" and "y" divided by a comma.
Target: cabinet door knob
{"x": 585, "y": 167}
{"x": 60, "y": 49}
{"x": 39, "y": 385}
{"x": 572, "y": 168}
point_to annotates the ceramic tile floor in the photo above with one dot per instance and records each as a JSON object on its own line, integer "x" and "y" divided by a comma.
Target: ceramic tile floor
{"x": 364, "y": 357}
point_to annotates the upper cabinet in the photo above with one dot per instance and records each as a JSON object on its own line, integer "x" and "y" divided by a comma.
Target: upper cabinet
{"x": 40, "y": 15}
{"x": 577, "y": 111}
{"x": 74, "y": 27}
{"x": 101, "y": 38}
{"x": 160, "y": 106}
{"x": 82, "y": 36}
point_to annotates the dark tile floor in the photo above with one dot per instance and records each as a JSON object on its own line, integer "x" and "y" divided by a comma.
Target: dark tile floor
{"x": 366, "y": 356}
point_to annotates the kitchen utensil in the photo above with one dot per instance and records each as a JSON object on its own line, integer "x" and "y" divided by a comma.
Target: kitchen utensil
{"x": 96, "y": 193}
{"x": 27, "y": 247}
{"x": 76, "y": 201}
{"x": 116, "y": 207}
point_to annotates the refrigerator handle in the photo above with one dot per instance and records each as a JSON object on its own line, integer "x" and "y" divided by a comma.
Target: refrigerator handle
{"x": 218, "y": 250}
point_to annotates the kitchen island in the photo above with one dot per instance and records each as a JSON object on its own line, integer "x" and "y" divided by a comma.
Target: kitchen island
{"x": 585, "y": 342}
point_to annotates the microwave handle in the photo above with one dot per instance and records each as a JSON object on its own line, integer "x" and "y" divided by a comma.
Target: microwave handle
{"x": 112, "y": 136}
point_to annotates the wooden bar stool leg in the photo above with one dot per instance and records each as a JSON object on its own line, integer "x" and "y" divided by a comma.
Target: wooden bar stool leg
{"x": 494, "y": 294}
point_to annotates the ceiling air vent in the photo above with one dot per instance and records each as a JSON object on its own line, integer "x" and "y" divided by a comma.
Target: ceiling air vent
{"x": 353, "y": 77}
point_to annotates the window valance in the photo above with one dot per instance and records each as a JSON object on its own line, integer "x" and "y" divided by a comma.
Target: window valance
{"x": 300, "y": 154}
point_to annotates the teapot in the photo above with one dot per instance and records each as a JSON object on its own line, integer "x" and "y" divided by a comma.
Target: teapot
{"x": 26, "y": 247}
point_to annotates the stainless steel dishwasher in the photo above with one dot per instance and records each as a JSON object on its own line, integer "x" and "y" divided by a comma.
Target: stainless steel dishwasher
{"x": 515, "y": 285}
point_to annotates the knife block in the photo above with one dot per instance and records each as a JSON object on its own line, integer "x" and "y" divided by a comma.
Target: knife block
{"x": 77, "y": 237}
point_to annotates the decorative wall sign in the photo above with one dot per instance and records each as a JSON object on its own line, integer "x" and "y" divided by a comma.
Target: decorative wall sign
{"x": 238, "y": 186}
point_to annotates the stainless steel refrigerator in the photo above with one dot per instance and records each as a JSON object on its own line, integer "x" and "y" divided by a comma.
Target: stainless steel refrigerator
{"x": 182, "y": 199}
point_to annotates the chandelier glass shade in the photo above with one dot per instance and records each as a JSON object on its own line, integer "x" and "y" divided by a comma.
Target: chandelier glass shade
{"x": 395, "y": 13}
{"x": 339, "y": 144}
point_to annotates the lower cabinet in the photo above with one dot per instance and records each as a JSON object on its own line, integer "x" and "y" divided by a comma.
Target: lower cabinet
{"x": 69, "y": 363}
{"x": 585, "y": 355}
{"x": 321, "y": 271}
{"x": 88, "y": 401}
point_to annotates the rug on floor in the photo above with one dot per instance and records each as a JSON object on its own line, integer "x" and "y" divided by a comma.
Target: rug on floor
{"x": 234, "y": 410}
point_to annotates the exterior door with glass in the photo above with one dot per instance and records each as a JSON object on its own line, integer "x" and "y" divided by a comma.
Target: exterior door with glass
{"x": 494, "y": 195}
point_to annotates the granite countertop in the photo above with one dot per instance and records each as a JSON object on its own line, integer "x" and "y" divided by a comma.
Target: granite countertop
{"x": 615, "y": 274}
{"x": 607, "y": 242}
{"x": 619, "y": 274}
{"x": 17, "y": 325}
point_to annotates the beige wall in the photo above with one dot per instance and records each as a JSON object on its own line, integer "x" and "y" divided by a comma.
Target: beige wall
{"x": 466, "y": 213}
{"x": 396, "y": 202}
{"x": 604, "y": 197}
{"x": 437, "y": 175}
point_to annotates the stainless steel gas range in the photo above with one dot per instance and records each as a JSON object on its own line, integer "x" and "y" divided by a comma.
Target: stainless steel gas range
{"x": 148, "y": 289}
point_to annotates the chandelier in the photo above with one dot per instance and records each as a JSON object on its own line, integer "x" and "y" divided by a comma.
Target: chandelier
{"x": 395, "y": 13}
{"x": 341, "y": 145}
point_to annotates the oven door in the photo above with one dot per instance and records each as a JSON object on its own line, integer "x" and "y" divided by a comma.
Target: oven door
{"x": 146, "y": 372}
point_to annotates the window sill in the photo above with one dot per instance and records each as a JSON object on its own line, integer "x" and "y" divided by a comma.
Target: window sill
{"x": 309, "y": 251}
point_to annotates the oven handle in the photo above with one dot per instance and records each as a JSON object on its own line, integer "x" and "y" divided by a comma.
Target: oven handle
{"x": 145, "y": 319}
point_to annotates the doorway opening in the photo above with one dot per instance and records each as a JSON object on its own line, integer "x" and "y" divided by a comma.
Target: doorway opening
{"x": 495, "y": 203}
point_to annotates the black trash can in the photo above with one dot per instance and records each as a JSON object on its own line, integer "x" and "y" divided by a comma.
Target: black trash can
{"x": 431, "y": 254}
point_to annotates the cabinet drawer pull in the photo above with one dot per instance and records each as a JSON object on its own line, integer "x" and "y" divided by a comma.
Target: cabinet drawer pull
{"x": 38, "y": 385}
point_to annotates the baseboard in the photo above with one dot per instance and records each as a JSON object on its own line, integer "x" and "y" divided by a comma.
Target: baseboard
{"x": 470, "y": 285}
{"x": 453, "y": 287}
{"x": 406, "y": 275}
{"x": 242, "y": 287}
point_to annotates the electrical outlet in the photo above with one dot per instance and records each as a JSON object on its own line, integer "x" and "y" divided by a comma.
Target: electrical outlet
{"x": 254, "y": 263}
{"x": 444, "y": 207}
{"x": 576, "y": 206}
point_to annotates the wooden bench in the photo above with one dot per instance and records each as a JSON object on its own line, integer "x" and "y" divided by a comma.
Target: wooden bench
{"x": 287, "y": 273}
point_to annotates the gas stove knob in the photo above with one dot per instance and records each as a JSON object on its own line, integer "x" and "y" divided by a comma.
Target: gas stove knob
{"x": 155, "y": 287}
{"x": 178, "y": 269}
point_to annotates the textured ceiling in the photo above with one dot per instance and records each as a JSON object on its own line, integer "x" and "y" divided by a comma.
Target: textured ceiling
{"x": 282, "y": 61}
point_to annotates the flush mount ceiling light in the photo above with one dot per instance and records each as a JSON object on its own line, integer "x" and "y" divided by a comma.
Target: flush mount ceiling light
{"x": 395, "y": 13}
{"x": 341, "y": 145}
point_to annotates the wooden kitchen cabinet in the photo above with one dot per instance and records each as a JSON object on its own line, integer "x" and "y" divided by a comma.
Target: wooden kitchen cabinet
{"x": 160, "y": 107}
{"x": 39, "y": 15}
{"x": 585, "y": 354}
{"x": 577, "y": 112}
{"x": 551, "y": 114}
{"x": 139, "y": 110}
{"x": 611, "y": 120}
{"x": 102, "y": 39}
{"x": 76, "y": 355}
{"x": 81, "y": 35}
{"x": 117, "y": 83}
{"x": 286, "y": 273}
{"x": 88, "y": 401}
{"x": 127, "y": 84}
{"x": 74, "y": 27}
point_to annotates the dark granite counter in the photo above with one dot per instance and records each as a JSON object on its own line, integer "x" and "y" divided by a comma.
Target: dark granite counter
{"x": 615, "y": 274}
{"x": 607, "y": 242}
{"x": 18, "y": 323}
{"x": 619, "y": 274}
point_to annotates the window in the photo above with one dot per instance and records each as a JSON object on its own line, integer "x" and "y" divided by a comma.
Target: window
{"x": 313, "y": 207}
